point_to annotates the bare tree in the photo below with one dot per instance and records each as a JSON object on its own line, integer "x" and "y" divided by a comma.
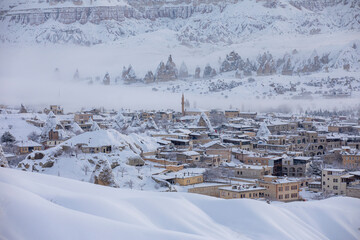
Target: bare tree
{"x": 33, "y": 136}
{"x": 142, "y": 186}
{"x": 217, "y": 118}
{"x": 86, "y": 169}
{"x": 130, "y": 184}
{"x": 122, "y": 170}
{"x": 138, "y": 168}
{"x": 212, "y": 174}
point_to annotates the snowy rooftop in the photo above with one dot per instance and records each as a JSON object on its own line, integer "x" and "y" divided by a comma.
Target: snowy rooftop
{"x": 334, "y": 170}
{"x": 356, "y": 173}
{"x": 209, "y": 144}
{"x": 246, "y": 166}
{"x": 190, "y": 153}
{"x": 27, "y": 143}
{"x": 242, "y": 188}
{"x": 177, "y": 140}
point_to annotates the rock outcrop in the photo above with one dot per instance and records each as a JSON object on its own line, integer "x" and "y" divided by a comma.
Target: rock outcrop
{"x": 166, "y": 72}
{"x": 103, "y": 174}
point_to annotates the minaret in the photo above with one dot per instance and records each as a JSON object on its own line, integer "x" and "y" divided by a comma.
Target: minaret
{"x": 183, "y": 105}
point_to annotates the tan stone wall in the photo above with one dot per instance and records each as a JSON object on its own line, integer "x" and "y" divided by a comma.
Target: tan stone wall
{"x": 280, "y": 192}
{"x": 353, "y": 192}
{"x": 264, "y": 161}
{"x": 224, "y": 153}
{"x": 332, "y": 183}
{"x": 252, "y": 173}
{"x": 212, "y": 191}
{"x": 189, "y": 180}
{"x": 351, "y": 161}
{"x": 82, "y": 117}
{"x": 160, "y": 161}
{"x": 227, "y": 194}
{"x": 173, "y": 168}
{"x": 231, "y": 114}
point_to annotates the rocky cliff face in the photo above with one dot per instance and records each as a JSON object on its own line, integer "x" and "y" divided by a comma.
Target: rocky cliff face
{"x": 89, "y": 22}
{"x": 97, "y": 14}
{"x": 321, "y": 4}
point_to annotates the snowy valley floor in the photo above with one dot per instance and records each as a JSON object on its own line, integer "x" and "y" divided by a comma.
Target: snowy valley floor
{"x": 36, "y": 206}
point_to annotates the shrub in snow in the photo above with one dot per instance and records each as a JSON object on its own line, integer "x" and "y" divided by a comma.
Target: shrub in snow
{"x": 34, "y": 136}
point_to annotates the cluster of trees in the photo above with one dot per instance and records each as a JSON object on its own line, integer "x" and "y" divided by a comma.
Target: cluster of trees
{"x": 264, "y": 64}
{"x": 217, "y": 173}
{"x": 333, "y": 113}
{"x": 7, "y": 138}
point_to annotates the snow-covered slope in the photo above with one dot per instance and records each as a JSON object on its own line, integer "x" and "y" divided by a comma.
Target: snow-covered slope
{"x": 36, "y": 206}
{"x": 110, "y": 169}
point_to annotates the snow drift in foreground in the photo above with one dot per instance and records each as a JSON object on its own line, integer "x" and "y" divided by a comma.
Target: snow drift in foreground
{"x": 36, "y": 206}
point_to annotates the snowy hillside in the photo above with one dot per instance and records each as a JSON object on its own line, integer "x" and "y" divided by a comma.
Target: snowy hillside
{"x": 113, "y": 168}
{"x": 37, "y": 206}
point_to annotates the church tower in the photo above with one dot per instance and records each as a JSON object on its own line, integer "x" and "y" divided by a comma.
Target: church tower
{"x": 183, "y": 105}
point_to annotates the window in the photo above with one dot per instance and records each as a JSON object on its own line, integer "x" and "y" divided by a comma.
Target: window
{"x": 286, "y": 196}
{"x": 249, "y": 195}
{"x": 335, "y": 180}
{"x": 280, "y": 196}
{"x": 294, "y": 195}
{"x": 287, "y": 188}
{"x": 280, "y": 189}
{"x": 234, "y": 195}
{"x": 335, "y": 187}
{"x": 293, "y": 187}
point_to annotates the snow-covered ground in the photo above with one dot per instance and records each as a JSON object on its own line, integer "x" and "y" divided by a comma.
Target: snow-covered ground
{"x": 16, "y": 124}
{"x": 37, "y": 206}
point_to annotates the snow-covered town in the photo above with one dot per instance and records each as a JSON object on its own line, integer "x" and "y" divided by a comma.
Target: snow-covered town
{"x": 180, "y": 119}
{"x": 221, "y": 153}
